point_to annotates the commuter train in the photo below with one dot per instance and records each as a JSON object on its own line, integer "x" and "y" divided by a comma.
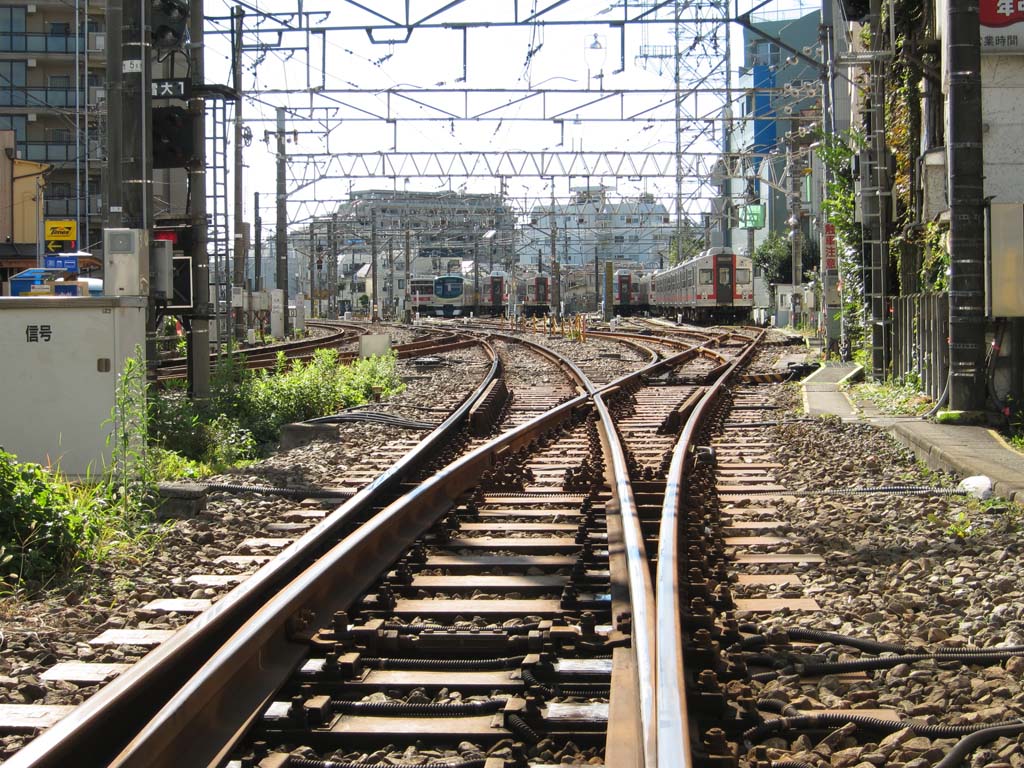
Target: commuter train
{"x": 494, "y": 291}
{"x": 536, "y": 297}
{"x": 715, "y": 285}
{"x": 630, "y": 289}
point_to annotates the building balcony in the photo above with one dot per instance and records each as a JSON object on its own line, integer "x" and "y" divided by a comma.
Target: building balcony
{"x": 49, "y": 152}
{"x": 41, "y": 98}
{"x": 42, "y": 43}
{"x": 63, "y": 207}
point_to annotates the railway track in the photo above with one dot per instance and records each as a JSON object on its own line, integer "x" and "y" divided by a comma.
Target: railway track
{"x": 589, "y": 605}
{"x": 281, "y": 532}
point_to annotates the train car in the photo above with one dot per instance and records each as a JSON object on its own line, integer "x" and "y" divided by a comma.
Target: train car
{"x": 536, "y": 301}
{"x": 421, "y": 293}
{"x": 630, "y": 291}
{"x": 494, "y": 290}
{"x": 449, "y": 296}
{"x": 715, "y": 285}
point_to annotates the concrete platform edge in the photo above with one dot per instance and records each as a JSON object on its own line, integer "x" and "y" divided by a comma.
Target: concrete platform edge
{"x": 937, "y": 458}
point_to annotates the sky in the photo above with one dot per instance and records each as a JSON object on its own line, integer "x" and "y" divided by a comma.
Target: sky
{"x": 550, "y": 57}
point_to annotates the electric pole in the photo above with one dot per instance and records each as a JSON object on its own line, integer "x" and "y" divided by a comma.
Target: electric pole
{"x": 199, "y": 323}
{"x": 966, "y": 209}
{"x": 373, "y": 265}
{"x": 258, "y": 245}
{"x": 408, "y": 273}
{"x": 237, "y": 14}
{"x": 281, "y": 236}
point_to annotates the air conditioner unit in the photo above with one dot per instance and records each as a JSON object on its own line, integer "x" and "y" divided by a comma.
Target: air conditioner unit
{"x": 97, "y": 42}
{"x": 32, "y": 117}
{"x": 30, "y": 63}
{"x": 97, "y": 95}
{"x": 30, "y": 8}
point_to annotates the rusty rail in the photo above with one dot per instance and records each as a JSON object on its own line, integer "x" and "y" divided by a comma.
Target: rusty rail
{"x": 95, "y": 731}
{"x": 673, "y": 742}
{"x": 222, "y": 699}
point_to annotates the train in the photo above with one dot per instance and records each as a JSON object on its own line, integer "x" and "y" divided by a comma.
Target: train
{"x": 717, "y": 284}
{"x": 452, "y": 295}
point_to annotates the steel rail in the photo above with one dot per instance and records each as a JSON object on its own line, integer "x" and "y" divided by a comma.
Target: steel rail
{"x": 225, "y": 696}
{"x": 95, "y": 731}
{"x": 672, "y": 717}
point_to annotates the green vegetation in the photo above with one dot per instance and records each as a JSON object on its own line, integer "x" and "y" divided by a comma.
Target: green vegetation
{"x": 50, "y": 526}
{"x": 893, "y": 398}
{"x": 248, "y": 408}
{"x": 980, "y": 518}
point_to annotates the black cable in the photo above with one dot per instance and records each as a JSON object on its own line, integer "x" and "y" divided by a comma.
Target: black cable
{"x": 838, "y": 719}
{"x": 883, "y": 662}
{"x": 968, "y": 744}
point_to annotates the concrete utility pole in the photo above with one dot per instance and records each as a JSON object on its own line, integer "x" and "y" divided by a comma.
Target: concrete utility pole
{"x": 408, "y": 273}
{"x": 332, "y": 271}
{"x": 966, "y": 208}
{"x": 112, "y": 185}
{"x": 313, "y": 253}
{"x": 556, "y": 297}
{"x": 199, "y": 333}
{"x": 373, "y": 265}
{"x": 875, "y": 198}
{"x": 257, "y": 245}
{"x": 391, "y": 277}
{"x": 795, "y": 239}
{"x": 281, "y": 238}
{"x": 238, "y": 277}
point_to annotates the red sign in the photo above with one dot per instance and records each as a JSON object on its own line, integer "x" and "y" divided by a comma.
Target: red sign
{"x": 1000, "y": 13}
{"x": 831, "y": 263}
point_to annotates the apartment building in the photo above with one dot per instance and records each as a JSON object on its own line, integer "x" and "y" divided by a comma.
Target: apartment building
{"x": 52, "y": 69}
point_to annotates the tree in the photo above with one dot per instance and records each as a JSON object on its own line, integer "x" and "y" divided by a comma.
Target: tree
{"x": 774, "y": 257}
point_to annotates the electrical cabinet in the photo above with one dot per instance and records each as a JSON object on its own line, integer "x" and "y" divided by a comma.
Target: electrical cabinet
{"x": 61, "y": 359}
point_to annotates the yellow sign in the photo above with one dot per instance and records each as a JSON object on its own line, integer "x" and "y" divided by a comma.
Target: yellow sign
{"x": 61, "y": 229}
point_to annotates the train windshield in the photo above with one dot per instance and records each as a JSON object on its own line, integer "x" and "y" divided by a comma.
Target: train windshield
{"x": 706, "y": 277}
{"x": 743, "y": 276}
{"x": 448, "y": 287}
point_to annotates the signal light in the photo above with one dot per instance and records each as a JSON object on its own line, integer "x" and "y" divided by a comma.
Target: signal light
{"x": 169, "y": 23}
{"x": 173, "y": 142}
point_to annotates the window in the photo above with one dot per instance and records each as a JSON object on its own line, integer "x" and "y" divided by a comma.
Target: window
{"x": 12, "y": 83}
{"x": 620, "y": 238}
{"x": 724, "y": 275}
{"x": 14, "y": 123}
{"x": 59, "y": 81}
{"x": 58, "y": 29}
{"x": 743, "y": 276}
{"x": 12, "y": 20}
{"x": 706, "y": 277}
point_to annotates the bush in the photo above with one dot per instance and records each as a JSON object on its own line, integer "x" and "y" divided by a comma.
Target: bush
{"x": 40, "y": 528}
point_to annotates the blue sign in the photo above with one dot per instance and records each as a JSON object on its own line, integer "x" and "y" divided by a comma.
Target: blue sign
{"x": 67, "y": 263}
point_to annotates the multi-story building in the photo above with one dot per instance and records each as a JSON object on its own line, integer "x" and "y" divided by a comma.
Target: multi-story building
{"x": 780, "y": 107}
{"x": 52, "y": 69}
{"x": 591, "y": 229}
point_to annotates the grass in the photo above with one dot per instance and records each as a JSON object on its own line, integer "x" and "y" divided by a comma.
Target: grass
{"x": 50, "y": 528}
{"x": 893, "y": 399}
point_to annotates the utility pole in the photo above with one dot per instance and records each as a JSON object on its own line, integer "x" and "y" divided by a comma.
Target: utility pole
{"x": 237, "y": 14}
{"x": 281, "y": 236}
{"x": 476, "y": 272}
{"x": 391, "y": 276}
{"x": 875, "y": 197}
{"x": 795, "y": 239}
{"x": 373, "y": 265}
{"x": 113, "y": 186}
{"x": 966, "y": 209}
{"x": 199, "y": 323}
{"x": 332, "y": 271}
{"x": 313, "y": 253}
{"x": 258, "y": 245}
{"x": 555, "y": 276}
{"x": 408, "y": 273}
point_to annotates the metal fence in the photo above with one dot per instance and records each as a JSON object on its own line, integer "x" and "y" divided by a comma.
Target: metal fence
{"x": 920, "y": 340}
